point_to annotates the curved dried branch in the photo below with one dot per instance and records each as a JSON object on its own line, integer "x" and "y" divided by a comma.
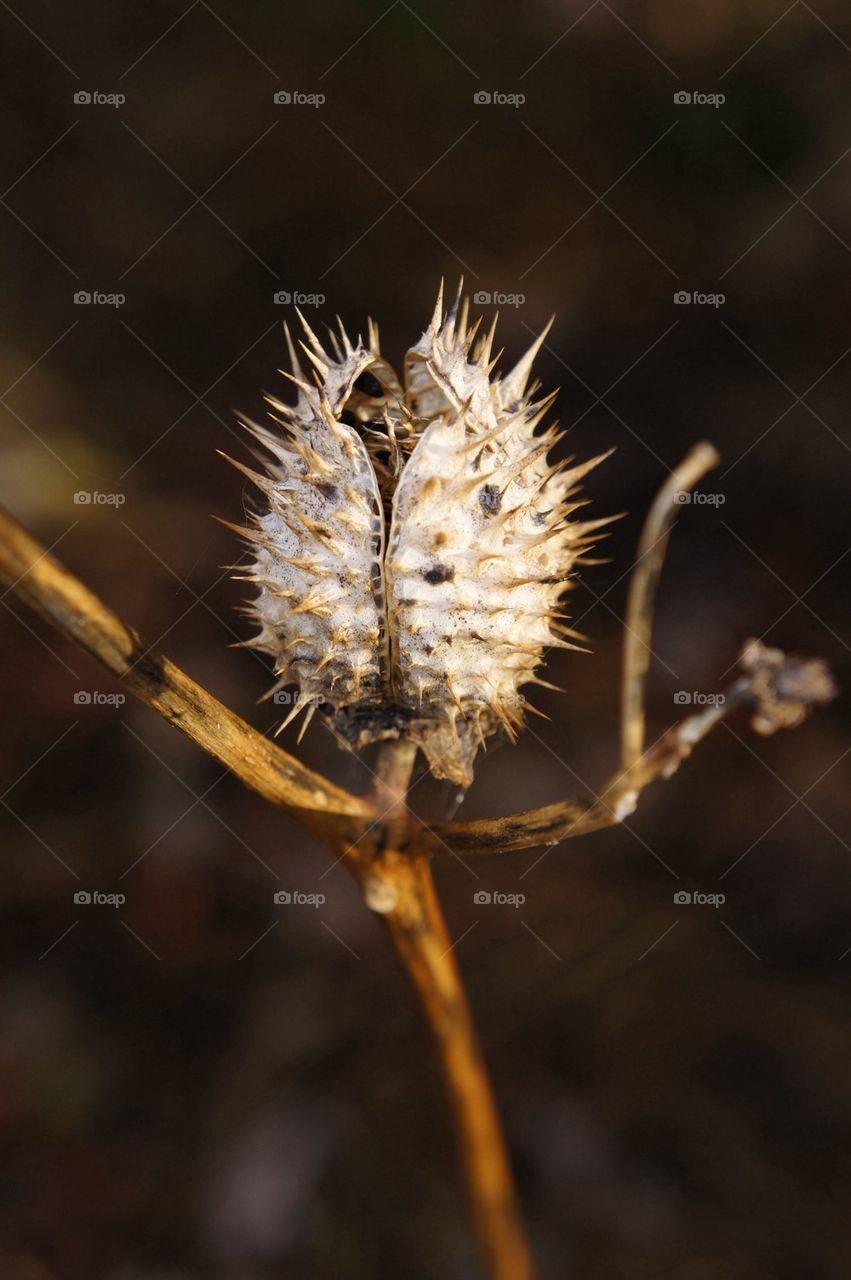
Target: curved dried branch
{"x": 638, "y": 622}
{"x": 37, "y": 578}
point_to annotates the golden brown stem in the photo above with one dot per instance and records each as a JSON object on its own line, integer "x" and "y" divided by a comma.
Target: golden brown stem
{"x": 422, "y": 941}
{"x": 418, "y": 929}
{"x": 36, "y": 577}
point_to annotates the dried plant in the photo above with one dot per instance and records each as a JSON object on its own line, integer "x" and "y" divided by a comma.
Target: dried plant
{"x": 417, "y": 541}
{"x": 410, "y": 563}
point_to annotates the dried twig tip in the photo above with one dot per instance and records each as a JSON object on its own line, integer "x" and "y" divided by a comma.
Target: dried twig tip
{"x": 785, "y": 687}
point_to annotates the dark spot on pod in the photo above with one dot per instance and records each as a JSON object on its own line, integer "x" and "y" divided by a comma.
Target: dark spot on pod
{"x": 440, "y": 540}
{"x": 328, "y": 490}
{"x": 439, "y": 573}
{"x": 369, "y": 385}
{"x": 490, "y": 499}
{"x": 541, "y": 517}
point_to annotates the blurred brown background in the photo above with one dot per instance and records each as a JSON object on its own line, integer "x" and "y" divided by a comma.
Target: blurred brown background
{"x": 200, "y": 1083}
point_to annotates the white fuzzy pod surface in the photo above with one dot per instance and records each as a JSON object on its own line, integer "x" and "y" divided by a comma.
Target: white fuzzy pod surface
{"x": 415, "y": 543}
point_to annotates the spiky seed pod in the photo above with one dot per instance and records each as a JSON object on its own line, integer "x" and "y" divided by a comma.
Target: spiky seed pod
{"x": 416, "y": 542}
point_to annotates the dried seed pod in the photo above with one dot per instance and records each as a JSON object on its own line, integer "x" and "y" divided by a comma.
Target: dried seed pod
{"x": 416, "y": 542}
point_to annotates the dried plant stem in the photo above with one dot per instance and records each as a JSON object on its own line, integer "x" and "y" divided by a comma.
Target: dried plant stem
{"x": 418, "y": 929}
{"x": 393, "y": 776}
{"x": 48, "y": 587}
{"x": 423, "y": 943}
{"x": 638, "y": 622}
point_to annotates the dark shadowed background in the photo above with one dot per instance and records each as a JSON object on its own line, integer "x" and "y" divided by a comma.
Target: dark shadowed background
{"x": 199, "y": 1083}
